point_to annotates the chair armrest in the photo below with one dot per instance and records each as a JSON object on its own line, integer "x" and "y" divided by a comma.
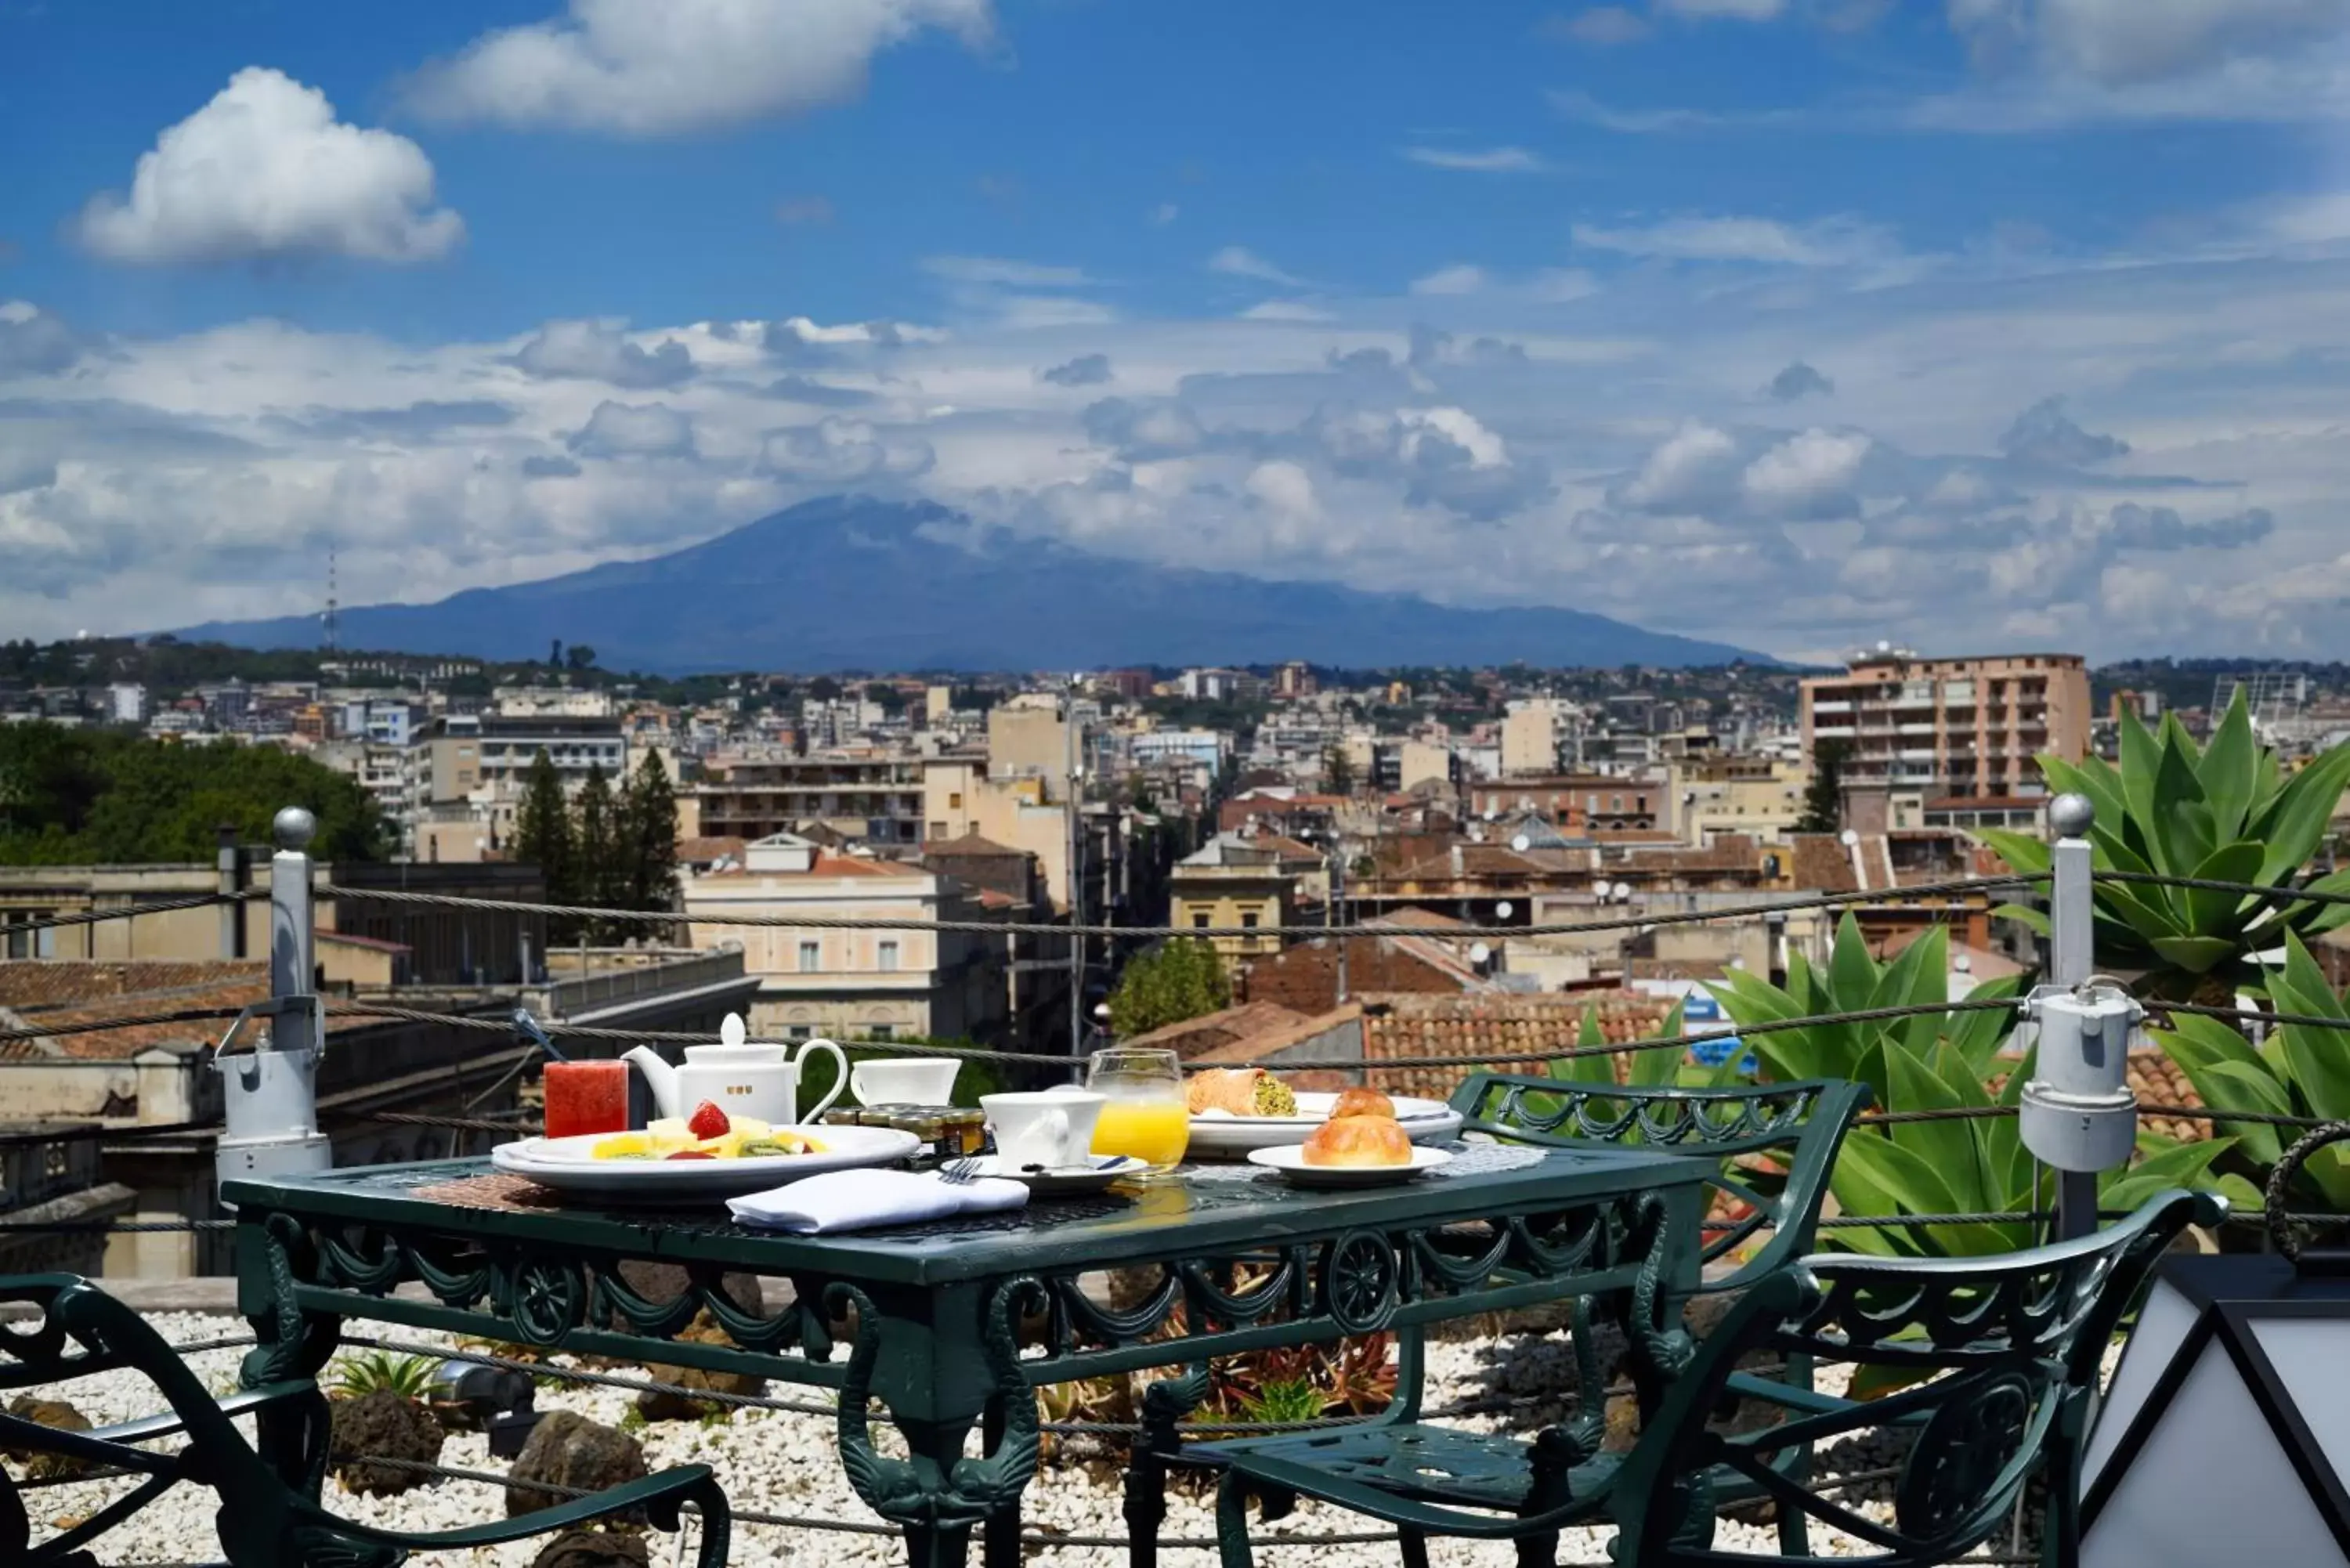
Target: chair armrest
{"x": 148, "y": 1427}
{"x": 1356, "y": 1498}
{"x": 658, "y": 1494}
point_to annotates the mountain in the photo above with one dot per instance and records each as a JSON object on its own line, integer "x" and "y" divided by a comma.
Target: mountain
{"x": 851, "y": 582}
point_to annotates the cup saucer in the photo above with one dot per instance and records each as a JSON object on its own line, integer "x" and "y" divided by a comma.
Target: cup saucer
{"x": 1064, "y": 1180}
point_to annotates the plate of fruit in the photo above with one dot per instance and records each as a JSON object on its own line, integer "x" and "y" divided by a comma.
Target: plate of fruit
{"x": 1237, "y": 1110}
{"x": 708, "y": 1155}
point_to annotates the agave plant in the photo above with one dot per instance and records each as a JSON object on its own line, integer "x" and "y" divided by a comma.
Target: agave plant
{"x": 410, "y": 1376}
{"x": 2225, "y": 813}
{"x": 2300, "y": 1070}
{"x": 1937, "y": 1061}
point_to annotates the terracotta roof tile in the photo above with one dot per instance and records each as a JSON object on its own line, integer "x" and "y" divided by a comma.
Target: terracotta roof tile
{"x": 1477, "y": 1029}
{"x": 28, "y": 983}
{"x": 970, "y": 844}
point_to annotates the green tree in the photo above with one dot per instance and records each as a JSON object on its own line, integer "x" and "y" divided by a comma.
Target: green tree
{"x": 542, "y": 838}
{"x": 597, "y": 842}
{"x": 649, "y": 816}
{"x": 1824, "y": 797}
{"x": 580, "y": 656}
{"x": 1337, "y": 772}
{"x": 1181, "y": 979}
{"x": 71, "y": 797}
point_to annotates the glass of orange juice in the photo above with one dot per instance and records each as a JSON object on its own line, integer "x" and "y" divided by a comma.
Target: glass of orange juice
{"x": 1145, "y": 1117}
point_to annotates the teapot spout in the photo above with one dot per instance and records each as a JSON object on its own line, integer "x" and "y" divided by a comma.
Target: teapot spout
{"x": 660, "y": 1077}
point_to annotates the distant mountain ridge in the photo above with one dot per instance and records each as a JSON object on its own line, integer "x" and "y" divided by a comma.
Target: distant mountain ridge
{"x": 852, "y": 583}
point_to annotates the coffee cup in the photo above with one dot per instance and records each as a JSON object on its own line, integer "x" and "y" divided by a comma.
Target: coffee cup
{"x": 904, "y": 1081}
{"x": 1051, "y": 1127}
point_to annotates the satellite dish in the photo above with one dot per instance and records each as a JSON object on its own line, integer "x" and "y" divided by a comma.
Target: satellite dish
{"x": 1623, "y": 892}
{"x": 1479, "y": 953}
{"x": 1503, "y": 910}
{"x": 1849, "y": 838}
{"x": 1522, "y": 844}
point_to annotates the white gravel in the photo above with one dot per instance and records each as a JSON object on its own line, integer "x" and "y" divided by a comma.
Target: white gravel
{"x": 778, "y": 1462}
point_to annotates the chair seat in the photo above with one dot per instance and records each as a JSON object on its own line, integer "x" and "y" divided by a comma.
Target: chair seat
{"x": 1424, "y": 1463}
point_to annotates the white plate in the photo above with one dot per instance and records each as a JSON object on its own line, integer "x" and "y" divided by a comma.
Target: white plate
{"x": 1068, "y": 1180}
{"x": 1220, "y": 1136}
{"x": 565, "y": 1164}
{"x": 1290, "y": 1160}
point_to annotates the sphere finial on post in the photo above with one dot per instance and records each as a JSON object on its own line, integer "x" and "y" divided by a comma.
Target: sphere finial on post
{"x": 293, "y": 829}
{"x": 2071, "y": 815}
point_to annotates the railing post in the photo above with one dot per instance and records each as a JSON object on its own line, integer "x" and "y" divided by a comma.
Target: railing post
{"x": 270, "y": 1093}
{"x": 232, "y": 888}
{"x": 2078, "y": 1115}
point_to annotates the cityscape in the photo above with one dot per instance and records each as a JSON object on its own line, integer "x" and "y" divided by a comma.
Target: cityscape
{"x": 1069, "y": 784}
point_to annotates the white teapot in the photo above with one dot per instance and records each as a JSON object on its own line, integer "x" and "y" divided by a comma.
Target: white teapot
{"x": 756, "y": 1080}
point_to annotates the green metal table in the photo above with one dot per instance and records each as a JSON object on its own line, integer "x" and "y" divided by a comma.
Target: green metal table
{"x": 955, "y": 1325}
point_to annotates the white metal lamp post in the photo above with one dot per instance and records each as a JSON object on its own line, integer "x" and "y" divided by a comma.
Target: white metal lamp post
{"x": 270, "y": 1093}
{"x": 2224, "y": 1439}
{"x": 2078, "y": 1115}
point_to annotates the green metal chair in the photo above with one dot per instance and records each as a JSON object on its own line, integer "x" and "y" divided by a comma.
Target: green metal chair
{"x": 2001, "y": 1353}
{"x": 265, "y": 1519}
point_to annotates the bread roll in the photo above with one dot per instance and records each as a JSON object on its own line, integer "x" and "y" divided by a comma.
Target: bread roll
{"x": 1232, "y": 1090}
{"x": 1359, "y": 1140}
{"x": 1362, "y": 1103}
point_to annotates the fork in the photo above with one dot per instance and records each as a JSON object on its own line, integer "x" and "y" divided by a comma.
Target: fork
{"x": 957, "y": 1172}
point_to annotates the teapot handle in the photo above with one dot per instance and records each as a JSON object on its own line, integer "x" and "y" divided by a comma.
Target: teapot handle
{"x": 839, "y": 1077}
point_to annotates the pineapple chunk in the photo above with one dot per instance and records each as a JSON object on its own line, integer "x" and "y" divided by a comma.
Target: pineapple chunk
{"x": 749, "y": 1127}
{"x": 621, "y": 1145}
{"x": 669, "y": 1130}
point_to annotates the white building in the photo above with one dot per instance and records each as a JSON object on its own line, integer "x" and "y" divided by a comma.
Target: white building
{"x": 853, "y": 985}
{"x": 127, "y": 701}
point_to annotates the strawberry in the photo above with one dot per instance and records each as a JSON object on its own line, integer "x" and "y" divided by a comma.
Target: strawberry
{"x": 690, "y": 1154}
{"x": 708, "y": 1121}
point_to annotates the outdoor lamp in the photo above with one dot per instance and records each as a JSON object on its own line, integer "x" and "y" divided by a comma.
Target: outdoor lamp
{"x": 2225, "y": 1435}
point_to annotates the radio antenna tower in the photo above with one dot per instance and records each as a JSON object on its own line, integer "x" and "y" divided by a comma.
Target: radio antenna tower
{"x": 327, "y": 629}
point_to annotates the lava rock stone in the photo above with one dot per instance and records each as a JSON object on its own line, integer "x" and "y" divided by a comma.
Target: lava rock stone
{"x": 570, "y": 1450}
{"x": 383, "y": 1425}
{"x": 58, "y": 1416}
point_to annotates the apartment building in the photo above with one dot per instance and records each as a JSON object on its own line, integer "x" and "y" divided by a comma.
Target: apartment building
{"x": 868, "y": 794}
{"x": 1762, "y": 797}
{"x": 853, "y": 985}
{"x": 484, "y": 759}
{"x": 1917, "y": 730}
{"x": 1531, "y": 733}
{"x": 1586, "y": 801}
{"x": 1236, "y": 883}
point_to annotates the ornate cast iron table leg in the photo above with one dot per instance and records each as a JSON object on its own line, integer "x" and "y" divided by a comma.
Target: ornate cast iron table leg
{"x": 935, "y": 1493}
{"x": 291, "y": 1435}
{"x": 1164, "y": 1403}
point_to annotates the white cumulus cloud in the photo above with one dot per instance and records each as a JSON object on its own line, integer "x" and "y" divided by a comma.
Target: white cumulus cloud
{"x": 1478, "y": 161}
{"x": 1461, "y": 278}
{"x": 1830, "y": 242}
{"x": 1239, "y": 261}
{"x": 629, "y": 430}
{"x": 266, "y": 170}
{"x": 1808, "y": 476}
{"x": 592, "y": 351}
{"x": 629, "y": 69}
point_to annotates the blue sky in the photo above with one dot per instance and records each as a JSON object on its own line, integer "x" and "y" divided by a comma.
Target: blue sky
{"x": 1791, "y": 322}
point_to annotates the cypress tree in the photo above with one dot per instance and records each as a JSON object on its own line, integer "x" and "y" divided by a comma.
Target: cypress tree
{"x": 542, "y": 838}
{"x": 650, "y": 811}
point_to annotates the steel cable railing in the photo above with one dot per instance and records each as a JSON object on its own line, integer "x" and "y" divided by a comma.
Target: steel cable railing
{"x": 1955, "y": 887}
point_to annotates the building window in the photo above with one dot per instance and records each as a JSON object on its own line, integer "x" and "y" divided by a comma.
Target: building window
{"x": 1248, "y": 919}
{"x": 1200, "y": 919}
{"x": 954, "y": 800}
{"x": 938, "y": 830}
{"x": 800, "y": 1032}
{"x": 810, "y": 954}
{"x": 889, "y": 957}
{"x": 883, "y": 1031}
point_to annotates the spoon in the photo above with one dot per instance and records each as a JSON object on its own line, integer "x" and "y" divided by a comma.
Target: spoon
{"x": 526, "y": 1028}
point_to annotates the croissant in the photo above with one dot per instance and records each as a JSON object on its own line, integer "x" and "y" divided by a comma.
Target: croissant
{"x": 1362, "y": 1103}
{"x": 1359, "y": 1140}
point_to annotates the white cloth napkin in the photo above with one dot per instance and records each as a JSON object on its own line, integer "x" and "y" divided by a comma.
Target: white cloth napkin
{"x": 867, "y": 1199}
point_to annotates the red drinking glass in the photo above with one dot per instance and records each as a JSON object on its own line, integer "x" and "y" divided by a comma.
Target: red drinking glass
{"x": 587, "y": 1097}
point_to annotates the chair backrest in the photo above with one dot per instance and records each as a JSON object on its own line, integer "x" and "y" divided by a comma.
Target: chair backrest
{"x": 1999, "y": 1355}
{"x": 1802, "y": 1123}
